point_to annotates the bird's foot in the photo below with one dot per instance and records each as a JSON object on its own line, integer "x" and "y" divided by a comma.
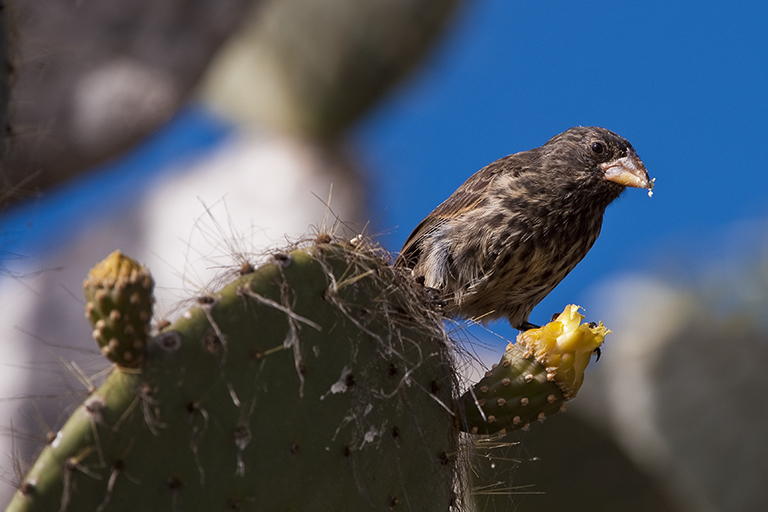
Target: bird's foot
{"x": 597, "y": 351}
{"x": 433, "y": 294}
{"x": 435, "y": 297}
{"x": 526, "y": 326}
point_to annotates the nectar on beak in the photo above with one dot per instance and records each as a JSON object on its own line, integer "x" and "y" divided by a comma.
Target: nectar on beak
{"x": 628, "y": 171}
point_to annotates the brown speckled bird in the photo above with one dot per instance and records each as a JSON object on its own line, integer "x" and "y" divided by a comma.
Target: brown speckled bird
{"x": 499, "y": 244}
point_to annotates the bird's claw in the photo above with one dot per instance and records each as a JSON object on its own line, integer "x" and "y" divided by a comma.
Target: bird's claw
{"x": 435, "y": 297}
{"x": 432, "y": 293}
{"x": 527, "y": 326}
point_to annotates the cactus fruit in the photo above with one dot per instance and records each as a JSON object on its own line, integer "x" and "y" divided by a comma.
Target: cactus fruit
{"x": 119, "y": 299}
{"x": 319, "y": 381}
{"x": 535, "y": 376}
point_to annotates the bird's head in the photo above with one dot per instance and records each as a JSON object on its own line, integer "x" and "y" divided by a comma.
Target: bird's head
{"x": 597, "y": 158}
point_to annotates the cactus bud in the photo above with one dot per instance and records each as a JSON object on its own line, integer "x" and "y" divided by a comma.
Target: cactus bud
{"x": 119, "y": 299}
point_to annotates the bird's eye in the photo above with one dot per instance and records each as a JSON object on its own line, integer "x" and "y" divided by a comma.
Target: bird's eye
{"x": 597, "y": 147}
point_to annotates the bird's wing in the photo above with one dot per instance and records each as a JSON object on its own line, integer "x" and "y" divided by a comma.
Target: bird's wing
{"x": 466, "y": 198}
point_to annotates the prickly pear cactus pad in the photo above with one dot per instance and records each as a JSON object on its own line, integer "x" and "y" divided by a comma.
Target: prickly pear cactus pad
{"x": 535, "y": 376}
{"x": 318, "y": 382}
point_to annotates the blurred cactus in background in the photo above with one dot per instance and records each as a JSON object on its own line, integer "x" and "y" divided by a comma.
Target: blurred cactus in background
{"x": 6, "y": 73}
{"x": 92, "y": 79}
{"x": 312, "y": 68}
{"x": 683, "y": 398}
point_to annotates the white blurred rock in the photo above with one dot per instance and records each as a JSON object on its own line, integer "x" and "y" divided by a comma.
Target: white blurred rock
{"x": 119, "y": 97}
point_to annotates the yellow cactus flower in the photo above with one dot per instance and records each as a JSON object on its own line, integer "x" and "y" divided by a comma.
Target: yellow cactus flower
{"x": 564, "y": 346}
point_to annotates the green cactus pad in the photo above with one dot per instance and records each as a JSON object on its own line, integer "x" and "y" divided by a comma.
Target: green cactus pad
{"x": 319, "y": 382}
{"x": 512, "y": 395}
{"x": 119, "y": 303}
{"x": 535, "y": 376}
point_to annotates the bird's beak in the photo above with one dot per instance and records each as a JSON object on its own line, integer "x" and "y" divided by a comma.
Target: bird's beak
{"x": 628, "y": 171}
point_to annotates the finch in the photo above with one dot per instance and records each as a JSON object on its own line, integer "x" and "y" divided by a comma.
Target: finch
{"x": 499, "y": 244}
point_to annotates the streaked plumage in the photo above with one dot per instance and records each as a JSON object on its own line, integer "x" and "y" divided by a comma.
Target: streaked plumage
{"x": 499, "y": 244}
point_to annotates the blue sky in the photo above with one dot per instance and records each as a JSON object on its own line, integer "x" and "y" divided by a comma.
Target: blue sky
{"x": 685, "y": 82}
